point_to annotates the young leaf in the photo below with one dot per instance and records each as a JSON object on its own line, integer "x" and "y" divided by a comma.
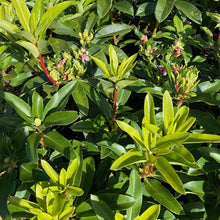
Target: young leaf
{"x": 163, "y": 196}
{"x": 30, "y": 47}
{"x": 72, "y": 170}
{"x": 23, "y": 13}
{"x": 21, "y": 107}
{"x": 62, "y": 177}
{"x": 149, "y": 112}
{"x": 50, "y": 171}
{"x": 65, "y": 215}
{"x": 168, "y": 114}
{"x": 7, "y": 26}
{"x": 134, "y": 134}
{"x": 151, "y": 213}
{"x": 113, "y": 60}
{"x": 74, "y": 191}
{"x": 37, "y": 105}
{"x": 102, "y": 66}
{"x": 169, "y": 174}
{"x": 203, "y": 138}
{"x": 131, "y": 157}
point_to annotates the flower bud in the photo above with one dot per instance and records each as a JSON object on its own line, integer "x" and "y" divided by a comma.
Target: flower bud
{"x": 37, "y": 122}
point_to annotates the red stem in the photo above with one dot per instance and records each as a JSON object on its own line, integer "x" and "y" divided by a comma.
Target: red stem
{"x": 114, "y": 107}
{"x": 40, "y": 58}
{"x": 181, "y": 100}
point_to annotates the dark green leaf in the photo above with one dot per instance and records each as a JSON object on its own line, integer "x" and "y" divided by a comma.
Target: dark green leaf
{"x": 125, "y": 7}
{"x": 163, "y": 9}
{"x": 103, "y": 7}
{"x": 37, "y": 105}
{"x": 146, "y": 8}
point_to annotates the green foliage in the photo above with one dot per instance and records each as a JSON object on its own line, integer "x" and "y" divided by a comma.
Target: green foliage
{"x": 109, "y": 109}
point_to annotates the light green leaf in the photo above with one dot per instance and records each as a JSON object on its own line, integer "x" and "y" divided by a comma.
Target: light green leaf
{"x": 163, "y": 9}
{"x": 101, "y": 209}
{"x": 62, "y": 177}
{"x": 168, "y": 114}
{"x": 149, "y": 112}
{"x": 203, "y": 138}
{"x": 23, "y": 13}
{"x": 134, "y": 134}
{"x": 36, "y": 14}
{"x": 37, "y": 105}
{"x": 72, "y": 171}
{"x": 50, "y": 15}
{"x": 178, "y": 24}
{"x": 102, "y": 66}
{"x": 21, "y": 107}
{"x": 169, "y": 174}
{"x": 65, "y": 215}
{"x": 131, "y": 157}
{"x": 103, "y": 7}
{"x": 61, "y": 118}
{"x": 163, "y": 196}
{"x": 7, "y": 26}
{"x": 74, "y": 191}
{"x": 30, "y": 47}
{"x": 113, "y": 60}
{"x": 191, "y": 11}
{"x": 50, "y": 171}
{"x": 151, "y": 213}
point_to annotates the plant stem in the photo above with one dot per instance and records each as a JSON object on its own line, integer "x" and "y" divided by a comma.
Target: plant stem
{"x": 114, "y": 107}
{"x": 40, "y": 58}
{"x": 180, "y": 102}
{"x": 155, "y": 29}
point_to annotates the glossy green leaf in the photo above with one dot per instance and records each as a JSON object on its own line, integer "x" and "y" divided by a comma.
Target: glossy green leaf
{"x": 27, "y": 35}
{"x": 30, "y": 47}
{"x": 72, "y": 171}
{"x": 146, "y": 8}
{"x": 37, "y": 105}
{"x": 102, "y": 66}
{"x": 36, "y": 14}
{"x": 168, "y": 114}
{"x": 23, "y": 13}
{"x": 169, "y": 174}
{"x": 208, "y": 86}
{"x": 198, "y": 187}
{"x": 203, "y": 138}
{"x": 119, "y": 216}
{"x": 163, "y": 196}
{"x": 67, "y": 213}
{"x": 75, "y": 191}
{"x": 101, "y": 209}
{"x": 149, "y": 112}
{"x": 168, "y": 141}
{"x": 135, "y": 191}
{"x": 55, "y": 140}
{"x": 50, "y": 171}
{"x": 113, "y": 29}
{"x": 57, "y": 100}
{"x": 21, "y": 107}
{"x": 62, "y": 177}
{"x": 7, "y": 26}
{"x": 131, "y": 157}
{"x": 151, "y": 213}
{"x": 134, "y": 134}
{"x": 125, "y": 7}
{"x": 50, "y": 15}
{"x": 103, "y": 7}
{"x": 20, "y": 79}
{"x": 61, "y": 118}
{"x": 212, "y": 152}
{"x": 190, "y": 10}
{"x": 163, "y": 9}
{"x": 113, "y": 60}
{"x": 43, "y": 216}
{"x": 40, "y": 197}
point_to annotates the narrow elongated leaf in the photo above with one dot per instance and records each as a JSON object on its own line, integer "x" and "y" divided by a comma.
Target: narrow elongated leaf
{"x": 134, "y": 134}
{"x": 50, "y": 15}
{"x": 59, "y": 97}
{"x": 75, "y": 191}
{"x": 37, "y": 105}
{"x": 113, "y": 29}
{"x": 171, "y": 140}
{"x": 101, "y": 209}
{"x": 212, "y": 152}
{"x": 66, "y": 213}
{"x": 61, "y": 118}
{"x": 191, "y": 11}
{"x": 169, "y": 174}
{"x": 36, "y": 14}
{"x": 103, "y": 7}
{"x": 72, "y": 170}
{"x": 102, "y": 66}
{"x": 30, "y": 47}
{"x": 149, "y": 112}
{"x": 113, "y": 60}
{"x": 151, "y": 213}
{"x": 21, "y": 107}
{"x": 163, "y": 196}
{"x": 163, "y": 9}
{"x": 7, "y": 26}
{"x": 131, "y": 157}
{"x": 50, "y": 171}
{"x": 203, "y": 138}
{"x": 135, "y": 191}
{"x": 23, "y": 13}
{"x": 62, "y": 177}
{"x": 168, "y": 114}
